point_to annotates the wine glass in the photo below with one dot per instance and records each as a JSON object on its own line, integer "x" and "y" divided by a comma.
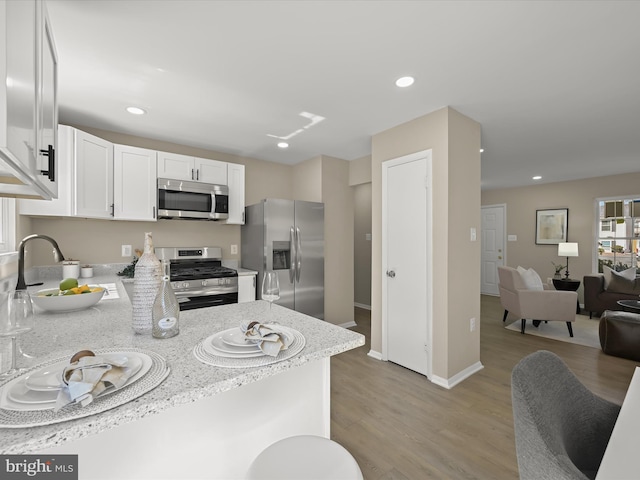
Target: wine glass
{"x": 270, "y": 287}
{"x": 16, "y": 319}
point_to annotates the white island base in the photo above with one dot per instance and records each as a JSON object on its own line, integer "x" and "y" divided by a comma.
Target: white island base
{"x": 212, "y": 438}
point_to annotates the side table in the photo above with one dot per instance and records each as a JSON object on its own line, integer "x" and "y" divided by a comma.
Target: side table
{"x": 632, "y": 306}
{"x": 567, "y": 284}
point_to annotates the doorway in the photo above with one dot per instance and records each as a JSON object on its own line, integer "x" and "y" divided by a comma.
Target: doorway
{"x": 406, "y": 261}
{"x": 493, "y": 247}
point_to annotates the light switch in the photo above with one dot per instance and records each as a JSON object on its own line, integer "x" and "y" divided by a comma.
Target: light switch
{"x": 234, "y": 249}
{"x": 473, "y": 234}
{"x": 512, "y": 238}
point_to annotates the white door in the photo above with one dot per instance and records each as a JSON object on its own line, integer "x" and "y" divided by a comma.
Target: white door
{"x": 406, "y": 234}
{"x": 492, "y": 247}
{"x": 175, "y": 166}
{"x": 93, "y": 161}
{"x": 135, "y": 183}
{"x": 210, "y": 171}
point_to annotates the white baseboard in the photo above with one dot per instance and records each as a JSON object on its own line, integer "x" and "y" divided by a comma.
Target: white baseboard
{"x": 348, "y": 324}
{"x": 374, "y": 354}
{"x": 363, "y": 306}
{"x": 458, "y": 377}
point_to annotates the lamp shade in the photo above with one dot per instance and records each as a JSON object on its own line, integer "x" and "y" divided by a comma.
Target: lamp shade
{"x": 568, "y": 249}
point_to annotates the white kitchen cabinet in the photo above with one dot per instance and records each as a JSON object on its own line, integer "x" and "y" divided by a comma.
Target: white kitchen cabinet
{"x": 235, "y": 176}
{"x": 85, "y": 171}
{"x": 100, "y": 180}
{"x": 47, "y": 136}
{"x": 210, "y": 171}
{"x": 28, "y": 104}
{"x": 246, "y": 288}
{"x": 183, "y": 167}
{"x": 135, "y": 186}
{"x": 63, "y": 205}
{"x": 93, "y": 172}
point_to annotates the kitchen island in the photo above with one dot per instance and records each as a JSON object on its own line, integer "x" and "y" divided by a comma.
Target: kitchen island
{"x": 201, "y": 421}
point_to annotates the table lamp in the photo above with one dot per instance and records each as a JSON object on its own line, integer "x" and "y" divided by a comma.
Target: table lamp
{"x": 567, "y": 249}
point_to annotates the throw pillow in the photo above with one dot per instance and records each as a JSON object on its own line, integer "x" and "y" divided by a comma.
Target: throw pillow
{"x": 620, "y": 283}
{"x": 530, "y": 278}
{"x": 629, "y": 274}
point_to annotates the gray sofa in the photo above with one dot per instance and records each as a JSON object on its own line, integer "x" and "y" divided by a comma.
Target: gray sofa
{"x": 597, "y": 299}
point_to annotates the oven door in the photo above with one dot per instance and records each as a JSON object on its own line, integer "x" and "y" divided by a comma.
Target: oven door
{"x": 203, "y": 301}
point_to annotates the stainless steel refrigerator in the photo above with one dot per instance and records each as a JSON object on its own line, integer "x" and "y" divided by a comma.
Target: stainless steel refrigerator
{"x": 287, "y": 236}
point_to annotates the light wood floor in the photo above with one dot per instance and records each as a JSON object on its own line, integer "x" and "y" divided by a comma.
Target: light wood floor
{"x": 400, "y": 426}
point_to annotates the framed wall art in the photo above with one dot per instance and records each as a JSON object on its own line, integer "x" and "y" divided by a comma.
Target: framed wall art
{"x": 551, "y": 226}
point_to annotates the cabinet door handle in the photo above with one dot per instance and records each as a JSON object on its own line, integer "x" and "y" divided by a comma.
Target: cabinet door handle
{"x": 113, "y": 206}
{"x": 51, "y": 167}
{"x": 197, "y": 174}
{"x": 154, "y": 212}
{"x": 193, "y": 175}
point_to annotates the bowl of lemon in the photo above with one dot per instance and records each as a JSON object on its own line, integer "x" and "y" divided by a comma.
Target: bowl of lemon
{"x": 69, "y": 297}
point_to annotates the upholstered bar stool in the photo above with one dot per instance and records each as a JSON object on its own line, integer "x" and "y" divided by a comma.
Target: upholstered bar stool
{"x": 304, "y": 457}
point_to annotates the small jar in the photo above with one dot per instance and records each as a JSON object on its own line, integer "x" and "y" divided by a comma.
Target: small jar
{"x": 86, "y": 271}
{"x": 70, "y": 269}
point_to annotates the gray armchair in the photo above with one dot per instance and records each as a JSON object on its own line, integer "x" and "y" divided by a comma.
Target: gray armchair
{"x": 534, "y": 304}
{"x": 561, "y": 427}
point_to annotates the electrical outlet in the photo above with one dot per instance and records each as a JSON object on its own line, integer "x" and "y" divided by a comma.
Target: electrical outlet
{"x": 472, "y": 324}
{"x": 126, "y": 250}
{"x": 234, "y": 249}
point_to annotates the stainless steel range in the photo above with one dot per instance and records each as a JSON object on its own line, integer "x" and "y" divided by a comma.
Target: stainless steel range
{"x": 198, "y": 278}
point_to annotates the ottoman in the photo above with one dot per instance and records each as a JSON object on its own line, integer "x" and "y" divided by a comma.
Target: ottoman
{"x": 620, "y": 334}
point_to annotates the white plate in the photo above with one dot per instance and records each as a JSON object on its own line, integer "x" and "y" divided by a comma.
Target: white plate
{"x": 236, "y": 338}
{"x": 50, "y": 378}
{"x": 7, "y": 392}
{"x": 217, "y": 347}
{"x": 45, "y": 379}
{"x": 20, "y": 393}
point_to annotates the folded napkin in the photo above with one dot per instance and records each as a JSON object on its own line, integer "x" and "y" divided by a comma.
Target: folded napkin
{"x": 270, "y": 340}
{"x": 84, "y": 380}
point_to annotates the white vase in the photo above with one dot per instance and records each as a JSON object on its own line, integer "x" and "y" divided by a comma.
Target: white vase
{"x": 146, "y": 283}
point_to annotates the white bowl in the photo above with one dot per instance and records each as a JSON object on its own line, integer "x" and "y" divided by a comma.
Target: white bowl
{"x": 66, "y": 303}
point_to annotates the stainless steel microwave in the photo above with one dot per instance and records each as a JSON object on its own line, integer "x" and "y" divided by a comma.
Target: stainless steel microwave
{"x": 192, "y": 200}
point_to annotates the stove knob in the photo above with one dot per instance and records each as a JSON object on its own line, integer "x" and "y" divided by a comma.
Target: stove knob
{"x": 204, "y": 283}
{"x": 185, "y": 285}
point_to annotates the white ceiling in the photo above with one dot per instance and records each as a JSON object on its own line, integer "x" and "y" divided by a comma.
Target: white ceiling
{"x": 554, "y": 84}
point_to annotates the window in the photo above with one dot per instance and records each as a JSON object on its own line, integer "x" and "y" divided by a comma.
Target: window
{"x": 618, "y": 234}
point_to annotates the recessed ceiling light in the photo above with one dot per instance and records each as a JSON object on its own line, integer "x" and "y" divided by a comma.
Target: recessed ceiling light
{"x": 283, "y": 145}
{"x": 537, "y": 177}
{"x": 136, "y": 110}
{"x": 404, "y": 82}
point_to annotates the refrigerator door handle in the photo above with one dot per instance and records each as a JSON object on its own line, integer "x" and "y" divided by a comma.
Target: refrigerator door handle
{"x": 292, "y": 255}
{"x": 298, "y": 254}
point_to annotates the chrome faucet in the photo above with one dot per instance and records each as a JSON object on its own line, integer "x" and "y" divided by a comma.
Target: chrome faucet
{"x": 57, "y": 255}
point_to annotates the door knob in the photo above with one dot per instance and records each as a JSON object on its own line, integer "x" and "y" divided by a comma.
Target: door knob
{"x": 499, "y": 257}
{"x": 391, "y": 274}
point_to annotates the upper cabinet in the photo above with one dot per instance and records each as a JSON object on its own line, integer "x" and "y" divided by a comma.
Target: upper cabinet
{"x": 97, "y": 179}
{"x": 100, "y": 180}
{"x": 135, "y": 187}
{"x": 235, "y": 176}
{"x": 28, "y": 103}
{"x": 93, "y": 173}
{"x": 183, "y": 167}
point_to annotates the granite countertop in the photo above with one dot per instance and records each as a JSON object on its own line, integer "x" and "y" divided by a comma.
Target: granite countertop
{"x": 108, "y": 325}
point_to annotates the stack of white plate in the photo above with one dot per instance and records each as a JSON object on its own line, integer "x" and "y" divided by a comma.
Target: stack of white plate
{"x": 38, "y": 389}
{"x": 233, "y": 343}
